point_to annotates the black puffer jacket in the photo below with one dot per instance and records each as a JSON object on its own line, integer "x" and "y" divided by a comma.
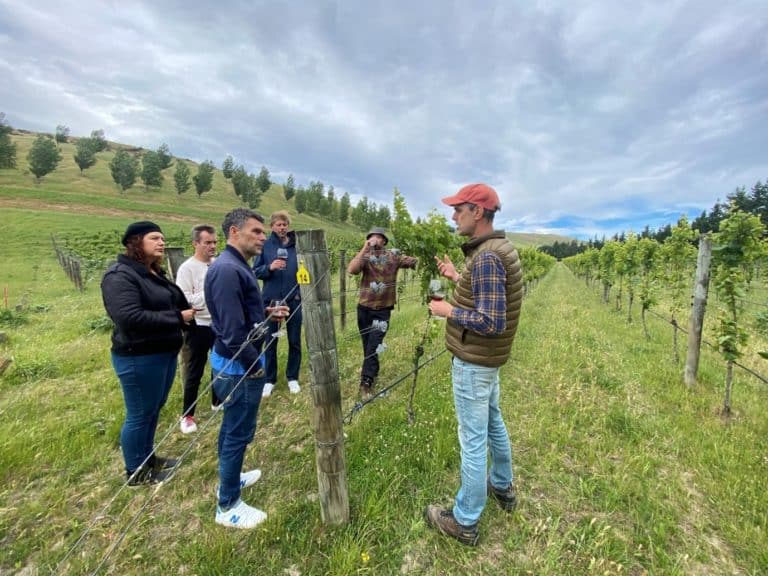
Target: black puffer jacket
{"x": 145, "y": 308}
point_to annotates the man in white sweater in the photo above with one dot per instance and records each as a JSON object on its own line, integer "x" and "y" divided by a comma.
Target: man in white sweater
{"x": 199, "y": 340}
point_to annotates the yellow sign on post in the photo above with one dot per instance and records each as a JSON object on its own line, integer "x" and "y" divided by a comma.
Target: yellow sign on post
{"x": 302, "y": 275}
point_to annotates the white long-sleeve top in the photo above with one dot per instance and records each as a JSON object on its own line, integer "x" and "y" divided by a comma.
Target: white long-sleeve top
{"x": 190, "y": 277}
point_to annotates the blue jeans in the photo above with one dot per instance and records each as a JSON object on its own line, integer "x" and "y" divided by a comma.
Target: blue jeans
{"x": 146, "y": 381}
{"x": 293, "y": 329}
{"x": 240, "y": 398}
{"x": 481, "y": 427}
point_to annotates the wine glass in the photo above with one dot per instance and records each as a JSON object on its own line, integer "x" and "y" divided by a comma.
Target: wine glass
{"x": 282, "y": 254}
{"x": 278, "y": 315}
{"x": 436, "y": 292}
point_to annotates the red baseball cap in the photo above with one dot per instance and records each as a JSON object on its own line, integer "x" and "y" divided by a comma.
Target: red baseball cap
{"x": 479, "y": 194}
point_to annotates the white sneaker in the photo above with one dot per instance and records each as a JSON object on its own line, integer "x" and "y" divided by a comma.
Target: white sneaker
{"x": 293, "y": 386}
{"x": 240, "y": 516}
{"x": 188, "y": 425}
{"x": 246, "y": 479}
{"x": 249, "y": 478}
{"x": 217, "y": 407}
{"x": 268, "y": 387}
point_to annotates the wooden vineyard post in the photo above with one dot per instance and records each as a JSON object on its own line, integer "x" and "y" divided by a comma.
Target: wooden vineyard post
{"x": 700, "y": 291}
{"x": 175, "y": 258}
{"x": 343, "y": 287}
{"x": 317, "y": 310}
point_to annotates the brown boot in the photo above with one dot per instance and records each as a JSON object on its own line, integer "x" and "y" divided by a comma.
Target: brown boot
{"x": 506, "y": 497}
{"x": 442, "y": 519}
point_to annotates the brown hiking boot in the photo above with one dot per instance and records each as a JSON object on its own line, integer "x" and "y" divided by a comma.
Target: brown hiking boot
{"x": 443, "y": 520}
{"x": 506, "y": 497}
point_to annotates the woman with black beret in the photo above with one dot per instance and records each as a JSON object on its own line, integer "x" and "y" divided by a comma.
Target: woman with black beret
{"x": 149, "y": 312}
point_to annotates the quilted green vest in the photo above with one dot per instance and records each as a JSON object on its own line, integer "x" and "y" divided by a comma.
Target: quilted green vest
{"x": 491, "y": 351}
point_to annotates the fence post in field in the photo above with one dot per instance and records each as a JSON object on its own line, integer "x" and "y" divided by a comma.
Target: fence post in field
{"x": 317, "y": 310}
{"x": 77, "y": 277}
{"x": 343, "y": 287}
{"x": 175, "y": 258}
{"x": 700, "y": 291}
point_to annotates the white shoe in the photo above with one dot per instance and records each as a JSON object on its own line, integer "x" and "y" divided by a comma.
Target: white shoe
{"x": 217, "y": 407}
{"x": 268, "y": 387}
{"x": 240, "y": 516}
{"x": 246, "y": 479}
{"x": 188, "y": 425}
{"x": 249, "y": 478}
{"x": 293, "y": 386}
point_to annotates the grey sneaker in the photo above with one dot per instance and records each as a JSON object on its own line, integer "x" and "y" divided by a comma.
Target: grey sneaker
{"x": 442, "y": 519}
{"x": 506, "y": 497}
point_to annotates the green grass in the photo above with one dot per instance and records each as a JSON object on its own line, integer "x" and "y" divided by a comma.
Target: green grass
{"x": 620, "y": 469}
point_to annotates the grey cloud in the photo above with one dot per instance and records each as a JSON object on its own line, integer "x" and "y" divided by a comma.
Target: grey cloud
{"x": 572, "y": 110}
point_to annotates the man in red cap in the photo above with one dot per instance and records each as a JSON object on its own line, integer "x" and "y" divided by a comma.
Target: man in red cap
{"x": 482, "y": 321}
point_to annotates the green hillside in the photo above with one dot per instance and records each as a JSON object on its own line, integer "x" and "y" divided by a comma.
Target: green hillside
{"x": 94, "y": 193}
{"x": 523, "y": 239}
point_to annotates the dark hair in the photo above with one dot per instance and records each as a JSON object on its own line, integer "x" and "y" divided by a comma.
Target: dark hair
{"x": 134, "y": 249}
{"x": 199, "y": 229}
{"x": 237, "y": 218}
{"x": 487, "y": 214}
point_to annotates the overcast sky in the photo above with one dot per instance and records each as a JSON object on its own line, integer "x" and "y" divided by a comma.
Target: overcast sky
{"x": 588, "y": 117}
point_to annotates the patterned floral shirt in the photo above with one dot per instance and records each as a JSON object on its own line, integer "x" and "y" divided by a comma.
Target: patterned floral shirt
{"x": 378, "y": 287}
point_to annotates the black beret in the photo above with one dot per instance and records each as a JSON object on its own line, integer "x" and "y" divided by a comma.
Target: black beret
{"x": 140, "y": 229}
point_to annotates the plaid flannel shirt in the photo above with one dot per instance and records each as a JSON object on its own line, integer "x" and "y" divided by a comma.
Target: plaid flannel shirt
{"x": 489, "y": 315}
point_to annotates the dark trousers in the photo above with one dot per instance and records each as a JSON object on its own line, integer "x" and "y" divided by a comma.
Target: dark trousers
{"x": 293, "y": 330}
{"x": 146, "y": 381}
{"x": 198, "y": 341}
{"x": 371, "y": 338}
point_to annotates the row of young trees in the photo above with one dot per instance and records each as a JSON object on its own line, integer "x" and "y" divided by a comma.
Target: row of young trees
{"x": 642, "y": 267}
{"x": 126, "y": 166}
{"x": 44, "y": 155}
{"x": 129, "y": 166}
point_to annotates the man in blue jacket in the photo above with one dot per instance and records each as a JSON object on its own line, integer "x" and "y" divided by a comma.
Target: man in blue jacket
{"x": 237, "y": 311}
{"x": 276, "y": 267}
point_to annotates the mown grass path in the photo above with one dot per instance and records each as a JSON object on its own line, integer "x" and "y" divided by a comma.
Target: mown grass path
{"x": 620, "y": 469}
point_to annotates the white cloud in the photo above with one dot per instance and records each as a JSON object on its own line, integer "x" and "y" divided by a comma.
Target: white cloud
{"x": 583, "y": 112}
